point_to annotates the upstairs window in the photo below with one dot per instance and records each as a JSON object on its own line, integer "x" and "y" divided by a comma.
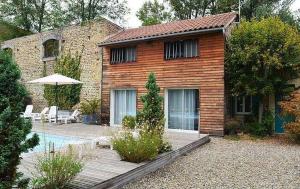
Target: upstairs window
{"x": 181, "y": 49}
{"x": 51, "y": 48}
{"x": 122, "y": 55}
{"x": 243, "y": 104}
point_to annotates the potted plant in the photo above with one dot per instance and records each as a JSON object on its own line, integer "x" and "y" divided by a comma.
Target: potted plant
{"x": 89, "y": 110}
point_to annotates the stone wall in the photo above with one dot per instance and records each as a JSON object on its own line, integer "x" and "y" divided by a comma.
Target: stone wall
{"x": 28, "y": 53}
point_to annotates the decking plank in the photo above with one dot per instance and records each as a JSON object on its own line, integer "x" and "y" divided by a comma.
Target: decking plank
{"x": 104, "y": 168}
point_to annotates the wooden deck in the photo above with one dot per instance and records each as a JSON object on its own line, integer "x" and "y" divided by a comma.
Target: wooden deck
{"x": 103, "y": 167}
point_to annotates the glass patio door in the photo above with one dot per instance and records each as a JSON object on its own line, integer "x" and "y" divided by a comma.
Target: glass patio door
{"x": 124, "y": 104}
{"x": 183, "y": 107}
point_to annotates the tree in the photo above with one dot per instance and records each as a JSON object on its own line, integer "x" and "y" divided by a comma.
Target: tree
{"x": 40, "y": 15}
{"x": 13, "y": 128}
{"x": 152, "y": 112}
{"x": 9, "y": 31}
{"x": 153, "y": 13}
{"x": 30, "y": 15}
{"x": 68, "y": 95}
{"x": 290, "y": 107}
{"x": 17, "y": 12}
{"x": 222, "y": 6}
{"x": 261, "y": 57}
{"x": 249, "y": 8}
{"x": 85, "y": 10}
{"x": 34, "y": 15}
{"x": 188, "y": 9}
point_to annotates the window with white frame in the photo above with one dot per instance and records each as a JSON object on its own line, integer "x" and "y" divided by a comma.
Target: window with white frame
{"x": 243, "y": 104}
{"x": 124, "y": 103}
{"x": 181, "y": 49}
{"x": 122, "y": 55}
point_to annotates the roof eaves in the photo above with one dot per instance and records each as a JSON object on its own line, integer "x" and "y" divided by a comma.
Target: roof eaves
{"x": 230, "y": 21}
{"x": 161, "y": 36}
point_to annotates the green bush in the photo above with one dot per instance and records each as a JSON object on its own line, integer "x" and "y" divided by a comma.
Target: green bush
{"x": 152, "y": 112}
{"x": 13, "y": 128}
{"x": 55, "y": 170}
{"x": 128, "y": 122}
{"x": 261, "y": 129}
{"x": 165, "y": 147}
{"x": 143, "y": 148}
{"x": 68, "y": 95}
{"x": 232, "y": 127}
{"x": 90, "y": 107}
{"x": 158, "y": 130}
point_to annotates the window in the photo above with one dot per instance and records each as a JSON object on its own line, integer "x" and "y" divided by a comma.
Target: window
{"x": 122, "y": 55}
{"x": 124, "y": 104}
{"x": 51, "y": 48}
{"x": 243, "y": 104}
{"x": 181, "y": 49}
{"x": 183, "y": 109}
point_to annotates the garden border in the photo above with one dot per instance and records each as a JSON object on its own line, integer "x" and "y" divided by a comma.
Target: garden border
{"x": 159, "y": 162}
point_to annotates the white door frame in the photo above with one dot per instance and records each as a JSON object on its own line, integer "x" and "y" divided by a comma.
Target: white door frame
{"x": 112, "y": 105}
{"x": 166, "y": 105}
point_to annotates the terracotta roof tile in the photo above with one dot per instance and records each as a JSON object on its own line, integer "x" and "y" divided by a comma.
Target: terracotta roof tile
{"x": 180, "y": 26}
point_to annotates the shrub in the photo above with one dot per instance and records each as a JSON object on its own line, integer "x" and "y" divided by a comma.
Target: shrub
{"x": 232, "y": 127}
{"x": 128, "y": 122}
{"x": 55, "y": 170}
{"x": 90, "y": 107}
{"x": 165, "y": 147}
{"x": 143, "y": 148}
{"x": 261, "y": 129}
{"x": 293, "y": 130}
{"x": 290, "y": 107}
{"x": 152, "y": 112}
{"x": 13, "y": 128}
{"x": 68, "y": 95}
{"x": 151, "y": 118}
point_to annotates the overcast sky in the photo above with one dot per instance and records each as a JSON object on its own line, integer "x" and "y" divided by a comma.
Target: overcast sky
{"x": 135, "y": 5}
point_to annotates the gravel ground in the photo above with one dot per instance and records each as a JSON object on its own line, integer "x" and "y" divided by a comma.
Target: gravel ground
{"x": 230, "y": 164}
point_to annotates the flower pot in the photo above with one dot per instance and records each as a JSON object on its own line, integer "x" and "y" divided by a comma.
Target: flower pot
{"x": 89, "y": 119}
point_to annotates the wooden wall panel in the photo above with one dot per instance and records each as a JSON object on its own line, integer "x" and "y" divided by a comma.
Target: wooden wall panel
{"x": 205, "y": 73}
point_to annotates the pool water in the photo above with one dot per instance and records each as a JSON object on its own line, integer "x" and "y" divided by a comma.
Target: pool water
{"x": 56, "y": 140}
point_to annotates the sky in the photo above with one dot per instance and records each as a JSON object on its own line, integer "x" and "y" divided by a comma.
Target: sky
{"x": 135, "y": 5}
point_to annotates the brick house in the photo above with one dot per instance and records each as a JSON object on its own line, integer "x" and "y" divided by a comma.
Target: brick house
{"x": 187, "y": 57}
{"x": 36, "y": 55}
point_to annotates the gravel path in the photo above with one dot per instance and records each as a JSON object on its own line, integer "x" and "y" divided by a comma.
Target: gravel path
{"x": 230, "y": 164}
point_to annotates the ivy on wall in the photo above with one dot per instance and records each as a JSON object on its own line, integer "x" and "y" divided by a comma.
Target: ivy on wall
{"x": 68, "y": 95}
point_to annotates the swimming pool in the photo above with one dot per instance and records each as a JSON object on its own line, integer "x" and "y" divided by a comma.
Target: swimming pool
{"x": 57, "y": 140}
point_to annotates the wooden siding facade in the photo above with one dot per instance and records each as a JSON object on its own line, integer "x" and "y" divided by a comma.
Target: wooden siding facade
{"x": 205, "y": 73}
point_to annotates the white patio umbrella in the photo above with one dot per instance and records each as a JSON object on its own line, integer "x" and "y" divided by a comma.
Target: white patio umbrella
{"x": 55, "y": 79}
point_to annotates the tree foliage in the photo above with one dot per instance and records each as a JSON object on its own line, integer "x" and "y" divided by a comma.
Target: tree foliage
{"x": 152, "y": 113}
{"x": 153, "y": 13}
{"x": 9, "y": 31}
{"x": 40, "y": 15}
{"x": 262, "y": 56}
{"x": 13, "y": 128}
{"x": 189, "y": 9}
{"x": 84, "y": 10}
{"x": 291, "y": 107}
{"x": 250, "y": 9}
{"x": 31, "y": 15}
{"x": 68, "y": 95}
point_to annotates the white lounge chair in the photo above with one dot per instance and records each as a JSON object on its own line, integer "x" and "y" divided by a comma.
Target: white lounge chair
{"x": 28, "y": 112}
{"x": 40, "y": 116}
{"x": 52, "y": 114}
{"x": 72, "y": 117}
